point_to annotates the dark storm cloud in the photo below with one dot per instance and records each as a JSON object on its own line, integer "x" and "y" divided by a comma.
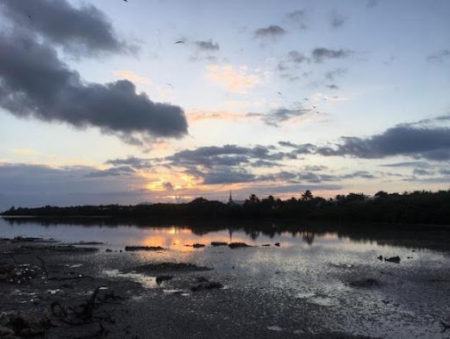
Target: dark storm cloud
{"x": 58, "y": 21}
{"x": 428, "y": 143}
{"x": 280, "y": 115}
{"x": 35, "y": 83}
{"x": 134, "y": 162}
{"x": 440, "y": 56}
{"x": 208, "y": 45}
{"x": 270, "y": 31}
{"x": 321, "y": 54}
{"x": 299, "y": 18}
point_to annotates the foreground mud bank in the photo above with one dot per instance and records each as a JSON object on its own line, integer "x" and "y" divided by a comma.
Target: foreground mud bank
{"x": 86, "y": 290}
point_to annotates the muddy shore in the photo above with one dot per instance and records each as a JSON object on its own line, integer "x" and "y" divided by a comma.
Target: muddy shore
{"x": 54, "y": 290}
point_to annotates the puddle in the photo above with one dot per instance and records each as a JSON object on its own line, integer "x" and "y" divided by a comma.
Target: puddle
{"x": 145, "y": 280}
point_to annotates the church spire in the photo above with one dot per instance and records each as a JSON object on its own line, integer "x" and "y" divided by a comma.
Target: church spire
{"x": 230, "y": 199}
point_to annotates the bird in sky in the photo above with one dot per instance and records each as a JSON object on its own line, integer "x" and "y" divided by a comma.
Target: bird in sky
{"x": 179, "y": 42}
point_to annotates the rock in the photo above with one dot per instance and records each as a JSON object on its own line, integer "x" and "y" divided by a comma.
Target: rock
{"x": 218, "y": 243}
{"x": 198, "y": 245}
{"x": 266, "y": 245}
{"x": 237, "y": 245}
{"x": 393, "y": 259}
{"x": 380, "y": 257}
{"x": 108, "y": 250}
{"x": 202, "y": 279}
{"x": 168, "y": 267}
{"x": 5, "y": 331}
{"x": 26, "y": 239}
{"x": 88, "y": 243}
{"x": 364, "y": 283}
{"x": 143, "y": 248}
{"x": 277, "y": 244}
{"x": 206, "y": 285}
{"x": 161, "y": 278}
{"x": 60, "y": 248}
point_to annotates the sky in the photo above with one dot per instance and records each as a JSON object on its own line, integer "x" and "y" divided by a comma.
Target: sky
{"x": 164, "y": 101}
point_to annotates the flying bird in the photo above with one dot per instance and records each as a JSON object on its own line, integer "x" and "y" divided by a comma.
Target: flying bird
{"x": 179, "y": 42}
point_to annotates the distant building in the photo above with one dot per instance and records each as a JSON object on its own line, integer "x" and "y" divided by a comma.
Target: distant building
{"x": 232, "y": 202}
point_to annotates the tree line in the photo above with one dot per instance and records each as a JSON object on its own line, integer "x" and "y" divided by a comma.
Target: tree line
{"x": 419, "y": 207}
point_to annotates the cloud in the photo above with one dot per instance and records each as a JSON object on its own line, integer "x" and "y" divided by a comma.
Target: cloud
{"x": 168, "y": 186}
{"x": 428, "y": 143}
{"x": 238, "y": 81}
{"x": 208, "y": 45}
{"x": 439, "y": 57}
{"x": 227, "y": 155}
{"x": 272, "y": 31}
{"x": 408, "y": 164}
{"x": 299, "y": 18}
{"x": 227, "y": 176}
{"x": 294, "y": 59}
{"x": 134, "y": 162}
{"x": 35, "y": 83}
{"x": 84, "y": 30}
{"x": 320, "y": 54}
{"x": 371, "y": 3}
{"x": 114, "y": 171}
{"x": 280, "y": 115}
{"x": 337, "y": 20}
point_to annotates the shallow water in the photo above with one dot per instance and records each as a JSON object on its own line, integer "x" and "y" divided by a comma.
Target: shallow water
{"x": 310, "y": 276}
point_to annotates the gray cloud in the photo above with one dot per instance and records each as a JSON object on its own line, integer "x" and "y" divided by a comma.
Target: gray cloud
{"x": 227, "y": 176}
{"x": 35, "y": 83}
{"x": 320, "y": 54}
{"x": 112, "y": 172}
{"x": 408, "y": 164}
{"x": 429, "y": 143}
{"x": 337, "y": 20}
{"x": 371, "y": 3}
{"x": 280, "y": 115}
{"x": 168, "y": 186}
{"x": 227, "y": 155}
{"x": 208, "y": 45}
{"x": 85, "y": 29}
{"x": 299, "y": 18}
{"x": 270, "y": 31}
{"x": 134, "y": 162}
{"x": 440, "y": 56}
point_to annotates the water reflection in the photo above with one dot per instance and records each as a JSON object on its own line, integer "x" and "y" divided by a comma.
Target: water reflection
{"x": 179, "y": 236}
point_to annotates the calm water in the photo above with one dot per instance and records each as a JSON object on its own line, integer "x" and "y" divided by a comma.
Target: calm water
{"x": 311, "y": 270}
